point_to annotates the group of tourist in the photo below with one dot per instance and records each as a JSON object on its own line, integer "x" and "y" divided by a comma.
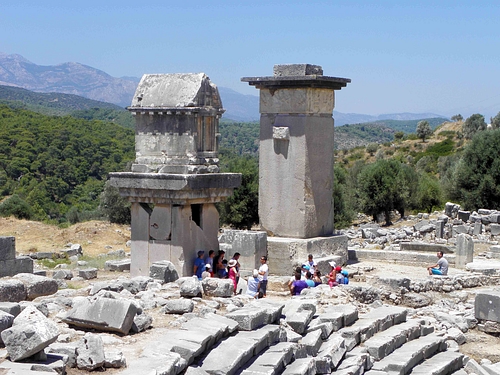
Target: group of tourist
{"x": 308, "y": 276}
{"x": 217, "y": 266}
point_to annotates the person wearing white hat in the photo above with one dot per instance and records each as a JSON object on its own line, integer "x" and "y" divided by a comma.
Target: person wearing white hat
{"x": 232, "y": 272}
{"x": 207, "y": 272}
{"x": 253, "y": 284}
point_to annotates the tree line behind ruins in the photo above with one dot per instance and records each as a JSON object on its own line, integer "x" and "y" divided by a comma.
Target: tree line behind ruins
{"x": 54, "y": 169}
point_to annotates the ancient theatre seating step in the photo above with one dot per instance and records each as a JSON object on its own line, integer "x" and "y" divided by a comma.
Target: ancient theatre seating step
{"x": 273, "y": 360}
{"x": 443, "y": 363}
{"x": 403, "y": 359}
{"x": 385, "y": 342}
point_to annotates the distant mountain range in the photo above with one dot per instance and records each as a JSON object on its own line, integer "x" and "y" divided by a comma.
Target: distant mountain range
{"x": 78, "y": 79}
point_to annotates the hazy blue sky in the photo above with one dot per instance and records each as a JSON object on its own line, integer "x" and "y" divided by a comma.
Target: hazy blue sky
{"x": 402, "y": 56}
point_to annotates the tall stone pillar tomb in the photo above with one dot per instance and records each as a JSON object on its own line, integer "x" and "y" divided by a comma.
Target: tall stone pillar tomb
{"x": 175, "y": 179}
{"x": 296, "y": 157}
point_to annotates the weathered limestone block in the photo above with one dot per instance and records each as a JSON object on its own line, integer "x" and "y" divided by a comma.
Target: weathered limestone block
{"x": 190, "y": 287}
{"x": 6, "y": 321}
{"x": 495, "y": 229}
{"x": 451, "y": 209}
{"x": 299, "y": 321}
{"x": 330, "y": 354}
{"x": 463, "y": 215}
{"x": 216, "y": 287}
{"x": 12, "y": 290}
{"x": 104, "y": 314}
{"x": 66, "y": 349}
{"x": 118, "y": 265}
{"x": 248, "y": 318}
{"x": 272, "y": 309}
{"x": 11, "y": 308}
{"x": 87, "y": 274}
{"x": 63, "y": 274}
{"x": 251, "y": 245}
{"x": 178, "y": 306}
{"x": 90, "y": 352}
{"x": 31, "y": 332}
{"x": 312, "y": 341}
{"x": 486, "y": 306}
{"x": 141, "y": 323}
{"x": 164, "y": 271}
{"x": 114, "y": 359}
{"x": 229, "y": 356}
{"x": 37, "y": 286}
{"x": 465, "y": 250}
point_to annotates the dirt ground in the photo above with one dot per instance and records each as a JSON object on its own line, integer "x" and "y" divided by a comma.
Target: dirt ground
{"x": 94, "y": 236}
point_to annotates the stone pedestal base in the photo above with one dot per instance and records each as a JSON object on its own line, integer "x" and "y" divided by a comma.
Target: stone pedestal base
{"x": 285, "y": 254}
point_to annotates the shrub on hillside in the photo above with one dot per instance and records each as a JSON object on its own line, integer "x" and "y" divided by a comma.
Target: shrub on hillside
{"x": 17, "y": 207}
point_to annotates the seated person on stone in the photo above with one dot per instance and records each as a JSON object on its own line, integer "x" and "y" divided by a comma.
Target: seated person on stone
{"x": 207, "y": 272}
{"x": 309, "y": 280}
{"x": 317, "y": 278}
{"x": 304, "y": 270}
{"x": 298, "y": 285}
{"x": 292, "y": 279}
{"x": 253, "y": 284}
{"x": 441, "y": 267}
{"x": 199, "y": 264}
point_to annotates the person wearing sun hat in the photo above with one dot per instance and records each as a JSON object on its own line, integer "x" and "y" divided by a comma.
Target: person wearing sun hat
{"x": 207, "y": 272}
{"x": 332, "y": 276}
{"x": 253, "y": 284}
{"x": 232, "y": 272}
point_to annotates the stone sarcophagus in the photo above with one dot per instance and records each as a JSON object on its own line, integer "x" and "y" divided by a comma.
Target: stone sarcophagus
{"x": 175, "y": 179}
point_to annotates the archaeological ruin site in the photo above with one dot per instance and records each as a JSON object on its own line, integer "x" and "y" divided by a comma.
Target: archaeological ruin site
{"x": 145, "y": 313}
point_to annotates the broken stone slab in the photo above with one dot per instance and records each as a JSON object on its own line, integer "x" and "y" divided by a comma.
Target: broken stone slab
{"x": 168, "y": 363}
{"x": 215, "y": 287}
{"x": 90, "y": 352}
{"x": 248, "y": 318}
{"x": 141, "y": 323}
{"x": 489, "y": 327}
{"x": 37, "y": 286}
{"x": 30, "y": 333}
{"x": 190, "y": 287}
{"x": 66, "y": 349}
{"x": 63, "y": 274}
{"x": 393, "y": 282}
{"x": 118, "y": 265}
{"x": 12, "y": 290}
{"x": 384, "y": 343}
{"x": 6, "y": 321}
{"x": 486, "y": 306}
{"x": 312, "y": 342}
{"x": 178, "y": 306}
{"x": 272, "y": 309}
{"x": 114, "y": 359}
{"x": 263, "y": 337}
{"x": 302, "y": 366}
{"x": 299, "y": 321}
{"x": 416, "y": 300}
{"x": 164, "y": 271}
{"x": 88, "y": 273}
{"x": 277, "y": 357}
{"x": 187, "y": 349}
{"x": 472, "y": 367}
{"x": 104, "y": 314}
{"x": 403, "y": 359}
{"x": 215, "y": 328}
{"x": 330, "y": 354}
{"x": 229, "y": 356}
{"x": 11, "y": 308}
{"x": 441, "y": 363}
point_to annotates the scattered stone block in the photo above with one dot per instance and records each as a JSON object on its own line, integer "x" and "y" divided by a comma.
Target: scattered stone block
{"x": 216, "y": 287}
{"x": 114, "y": 359}
{"x": 118, "y": 265}
{"x": 248, "y": 318}
{"x": 495, "y": 229}
{"x": 463, "y": 215}
{"x": 6, "y": 321}
{"x": 190, "y": 287}
{"x": 88, "y": 273}
{"x": 37, "y": 286}
{"x": 164, "y": 271}
{"x": 63, "y": 274}
{"x": 486, "y": 306}
{"x": 11, "y": 308}
{"x": 90, "y": 352}
{"x": 141, "y": 323}
{"x": 178, "y": 306}
{"x": 104, "y": 314}
{"x": 312, "y": 342}
{"x": 12, "y": 291}
{"x": 30, "y": 333}
{"x": 465, "y": 250}
{"x": 67, "y": 349}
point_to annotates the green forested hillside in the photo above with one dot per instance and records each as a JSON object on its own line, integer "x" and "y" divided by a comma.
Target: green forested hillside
{"x": 240, "y": 137}
{"x": 58, "y": 104}
{"x": 56, "y": 163}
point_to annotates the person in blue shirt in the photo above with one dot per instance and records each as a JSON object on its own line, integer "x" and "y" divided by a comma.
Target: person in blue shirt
{"x": 199, "y": 264}
{"x": 309, "y": 281}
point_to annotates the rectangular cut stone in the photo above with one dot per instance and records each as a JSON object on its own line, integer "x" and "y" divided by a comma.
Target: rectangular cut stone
{"x": 303, "y": 366}
{"x": 299, "y": 321}
{"x": 287, "y": 70}
{"x": 251, "y": 245}
{"x": 312, "y": 341}
{"x": 272, "y": 309}
{"x": 7, "y": 248}
{"x": 229, "y": 356}
{"x": 486, "y": 305}
{"x": 302, "y": 100}
{"x": 248, "y": 319}
{"x": 441, "y": 363}
{"x": 103, "y": 314}
{"x": 332, "y": 351}
{"x": 440, "y": 229}
{"x": 215, "y": 328}
{"x": 495, "y": 229}
{"x": 325, "y": 328}
{"x": 465, "y": 250}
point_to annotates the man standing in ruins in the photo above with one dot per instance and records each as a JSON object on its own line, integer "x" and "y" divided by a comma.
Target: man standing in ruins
{"x": 263, "y": 273}
{"x": 441, "y": 267}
